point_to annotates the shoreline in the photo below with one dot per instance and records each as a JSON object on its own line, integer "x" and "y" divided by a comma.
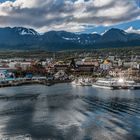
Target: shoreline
{"x": 30, "y": 82}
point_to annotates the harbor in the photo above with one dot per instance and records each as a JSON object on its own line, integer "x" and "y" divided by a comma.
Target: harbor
{"x": 108, "y": 83}
{"x": 103, "y": 83}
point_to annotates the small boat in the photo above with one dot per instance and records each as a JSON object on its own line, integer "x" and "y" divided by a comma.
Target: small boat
{"x": 82, "y": 82}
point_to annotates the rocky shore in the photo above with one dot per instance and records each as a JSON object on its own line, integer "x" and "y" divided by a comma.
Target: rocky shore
{"x": 29, "y": 82}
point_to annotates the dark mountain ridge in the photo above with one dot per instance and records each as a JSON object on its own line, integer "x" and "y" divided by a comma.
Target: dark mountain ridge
{"x": 21, "y": 38}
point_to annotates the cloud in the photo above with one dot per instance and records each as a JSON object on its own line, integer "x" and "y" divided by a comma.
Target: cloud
{"x": 132, "y": 30}
{"x": 70, "y": 15}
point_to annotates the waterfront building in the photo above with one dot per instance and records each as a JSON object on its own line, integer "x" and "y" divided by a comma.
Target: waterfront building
{"x": 2, "y": 75}
{"x": 6, "y": 74}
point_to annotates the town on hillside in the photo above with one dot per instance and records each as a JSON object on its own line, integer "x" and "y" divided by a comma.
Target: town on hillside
{"x": 68, "y": 65}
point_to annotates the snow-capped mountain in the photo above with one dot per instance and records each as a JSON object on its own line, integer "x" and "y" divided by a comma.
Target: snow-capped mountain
{"x": 25, "y": 31}
{"x": 25, "y": 38}
{"x": 114, "y": 35}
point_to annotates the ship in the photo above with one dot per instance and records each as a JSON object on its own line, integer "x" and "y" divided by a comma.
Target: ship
{"x": 116, "y": 83}
{"x": 105, "y": 83}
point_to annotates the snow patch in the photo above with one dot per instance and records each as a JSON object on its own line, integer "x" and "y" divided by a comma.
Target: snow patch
{"x": 94, "y": 33}
{"x": 27, "y": 32}
{"x": 68, "y": 38}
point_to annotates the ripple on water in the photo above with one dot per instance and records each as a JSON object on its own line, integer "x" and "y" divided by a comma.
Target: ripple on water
{"x": 70, "y": 113}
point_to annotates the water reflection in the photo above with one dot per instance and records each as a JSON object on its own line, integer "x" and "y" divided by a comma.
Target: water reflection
{"x": 64, "y": 112}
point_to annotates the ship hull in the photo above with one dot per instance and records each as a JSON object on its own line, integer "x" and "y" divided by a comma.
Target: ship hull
{"x": 103, "y": 87}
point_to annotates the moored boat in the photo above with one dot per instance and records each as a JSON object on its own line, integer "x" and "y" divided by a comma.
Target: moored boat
{"x": 116, "y": 83}
{"x": 82, "y": 82}
{"x": 104, "y": 83}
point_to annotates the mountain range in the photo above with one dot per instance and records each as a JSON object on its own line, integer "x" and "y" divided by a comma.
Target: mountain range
{"x": 21, "y": 38}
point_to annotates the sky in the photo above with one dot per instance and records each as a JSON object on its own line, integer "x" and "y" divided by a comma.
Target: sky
{"x": 86, "y": 16}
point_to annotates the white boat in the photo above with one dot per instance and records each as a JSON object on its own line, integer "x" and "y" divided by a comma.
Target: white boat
{"x": 104, "y": 83}
{"x": 82, "y": 82}
{"x": 132, "y": 84}
{"x": 128, "y": 84}
{"x": 103, "y": 87}
{"x": 116, "y": 83}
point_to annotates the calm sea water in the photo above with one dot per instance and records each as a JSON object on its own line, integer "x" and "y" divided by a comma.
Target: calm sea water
{"x": 65, "y": 112}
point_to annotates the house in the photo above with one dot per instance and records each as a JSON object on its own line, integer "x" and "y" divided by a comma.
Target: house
{"x": 106, "y": 65}
{"x": 85, "y": 68}
{"x": 120, "y": 63}
{"x": 25, "y": 65}
{"x": 127, "y": 64}
{"x": 111, "y": 58}
{"x": 133, "y": 72}
{"x": 2, "y": 75}
{"x": 6, "y": 74}
{"x": 59, "y": 67}
{"x": 22, "y": 65}
{"x": 61, "y": 75}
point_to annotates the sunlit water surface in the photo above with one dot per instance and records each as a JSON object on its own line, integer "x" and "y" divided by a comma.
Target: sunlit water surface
{"x": 66, "y": 112}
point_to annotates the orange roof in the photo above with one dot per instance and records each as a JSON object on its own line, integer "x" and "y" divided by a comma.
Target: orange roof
{"x": 106, "y": 61}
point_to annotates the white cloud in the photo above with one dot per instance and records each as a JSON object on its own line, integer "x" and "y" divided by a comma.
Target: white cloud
{"x": 100, "y": 3}
{"x": 70, "y": 15}
{"x": 132, "y": 30}
{"x": 72, "y": 27}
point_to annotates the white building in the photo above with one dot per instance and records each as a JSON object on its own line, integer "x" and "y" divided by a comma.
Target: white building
{"x": 25, "y": 65}
{"x": 105, "y": 66}
{"x": 120, "y": 62}
{"x": 2, "y": 75}
{"x": 12, "y": 65}
{"x": 111, "y": 58}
